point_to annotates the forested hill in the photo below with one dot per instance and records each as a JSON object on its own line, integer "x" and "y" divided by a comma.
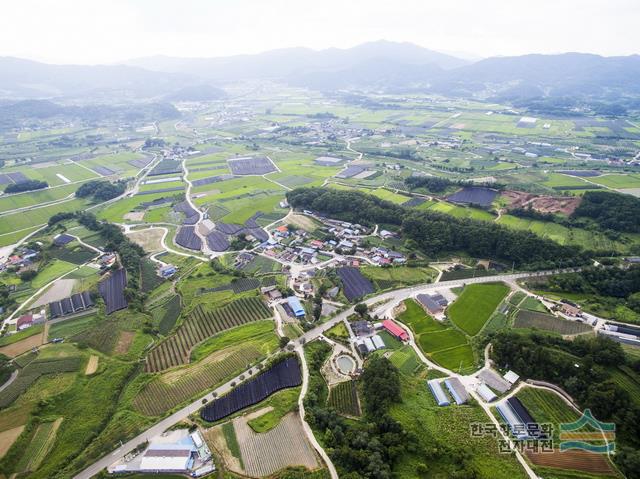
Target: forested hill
{"x": 436, "y": 233}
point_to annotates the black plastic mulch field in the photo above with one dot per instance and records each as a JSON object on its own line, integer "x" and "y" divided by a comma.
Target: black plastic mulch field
{"x": 285, "y": 374}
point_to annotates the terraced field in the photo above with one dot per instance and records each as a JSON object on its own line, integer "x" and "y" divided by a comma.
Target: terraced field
{"x": 200, "y": 325}
{"x": 175, "y": 387}
{"x": 441, "y": 342}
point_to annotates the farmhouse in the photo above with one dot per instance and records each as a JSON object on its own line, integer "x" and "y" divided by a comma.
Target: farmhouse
{"x": 361, "y": 328}
{"x": 395, "y": 330}
{"x": 438, "y": 393}
{"x": 167, "y": 460}
{"x": 296, "y": 306}
{"x": 511, "y": 377}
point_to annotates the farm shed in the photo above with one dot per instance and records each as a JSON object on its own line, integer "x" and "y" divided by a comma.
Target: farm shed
{"x": 378, "y": 342}
{"x": 296, "y": 306}
{"x": 509, "y": 416}
{"x": 532, "y": 428}
{"x": 494, "y": 380}
{"x": 486, "y": 393}
{"x": 511, "y": 377}
{"x": 369, "y": 345}
{"x": 457, "y": 390}
{"x": 168, "y": 460}
{"x": 438, "y": 393}
{"x": 395, "y": 330}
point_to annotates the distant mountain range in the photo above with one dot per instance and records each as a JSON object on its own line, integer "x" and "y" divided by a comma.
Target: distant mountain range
{"x": 372, "y": 66}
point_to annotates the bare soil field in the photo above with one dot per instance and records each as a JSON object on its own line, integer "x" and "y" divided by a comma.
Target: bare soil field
{"x": 134, "y": 216}
{"x": 92, "y": 365}
{"x": 22, "y": 346}
{"x": 124, "y": 342}
{"x": 574, "y": 460}
{"x": 543, "y": 204}
{"x": 7, "y": 438}
{"x": 283, "y": 446}
{"x": 61, "y": 289}
{"x": 149, "y": 239}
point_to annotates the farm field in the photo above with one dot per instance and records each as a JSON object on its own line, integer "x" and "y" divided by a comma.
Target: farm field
{"x": 175, "y": 387}
{"x": 200, "y": 325}
{"x": 475, "y": 305}
{"x": 440, "y": 341}
{"x": 33, "y": 198}
{"x": 343, "y": 398}
{"x": 24, "y": 220}
{"x": 393, "y": 277}
{"x": 547, "y": 322}
{"x": 283, "y": 446}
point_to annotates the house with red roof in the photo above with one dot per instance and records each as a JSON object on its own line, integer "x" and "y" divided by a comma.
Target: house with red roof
{"x": 395, "y": 330}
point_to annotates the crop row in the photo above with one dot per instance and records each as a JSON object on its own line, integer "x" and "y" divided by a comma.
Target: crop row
{"x": 158, "y": 397}
{"x": 201, "y": 325}
{"x": 343, "y": 398}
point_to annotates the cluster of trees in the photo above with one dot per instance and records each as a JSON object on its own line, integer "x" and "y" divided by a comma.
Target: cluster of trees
{"x": 29, "y": 185}
{"x": 438, "y": 184}
{"x": 582, "y": 367}
{"x": 437, "y": 233}
{"x": 367, "y": 448}
{"x": 101, "y": 190}
{"x": 612, "y": 211}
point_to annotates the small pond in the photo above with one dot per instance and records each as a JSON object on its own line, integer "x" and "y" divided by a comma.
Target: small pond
{"x": 346, "y": 364}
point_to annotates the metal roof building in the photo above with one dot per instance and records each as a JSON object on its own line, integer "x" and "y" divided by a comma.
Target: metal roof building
{"x": 296, "y": 306}
{"x": 457, "y": 390}
{"x": 518, "y": 429}
{"x": 438, "y": 393}
{"x": 378, "y": 342}
{"x": 486, "y": 393}
{"x": 395, "y": 330}
{"x": 369, "y": 344}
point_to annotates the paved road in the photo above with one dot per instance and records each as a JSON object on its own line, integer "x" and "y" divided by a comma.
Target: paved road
{"x": 306, "y": 337}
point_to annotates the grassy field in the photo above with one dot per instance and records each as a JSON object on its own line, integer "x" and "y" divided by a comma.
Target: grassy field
{"x": 475, "y": 305}
{"x": 54, "y": 269}
{"x": 397, "y": 276}
{"x": 37, "y": 216}
{"x": 33, "y": 198}
{"x": 282, "y": 403}
{"x": 617, "y": 181}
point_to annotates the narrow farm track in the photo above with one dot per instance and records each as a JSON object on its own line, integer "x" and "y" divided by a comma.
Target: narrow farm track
{"x": 310, "y": 335}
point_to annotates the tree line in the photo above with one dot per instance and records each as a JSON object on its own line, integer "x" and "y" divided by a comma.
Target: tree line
{"x": 29, "y": 185}
{"x": 437, "y": 233}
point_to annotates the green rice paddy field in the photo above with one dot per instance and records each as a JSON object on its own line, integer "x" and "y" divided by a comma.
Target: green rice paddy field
{"x": 441, "y": 342}
{"x": 475, "y": 306}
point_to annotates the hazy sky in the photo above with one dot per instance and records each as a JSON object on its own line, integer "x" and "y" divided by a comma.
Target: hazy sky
{"x": 92, "y": 31}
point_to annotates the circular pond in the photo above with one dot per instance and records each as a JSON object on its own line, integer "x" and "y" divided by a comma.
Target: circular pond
{"x": 346, "y": 364}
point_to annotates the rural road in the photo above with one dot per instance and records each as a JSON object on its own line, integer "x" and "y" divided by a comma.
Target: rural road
{"x": 305, "y": 338}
